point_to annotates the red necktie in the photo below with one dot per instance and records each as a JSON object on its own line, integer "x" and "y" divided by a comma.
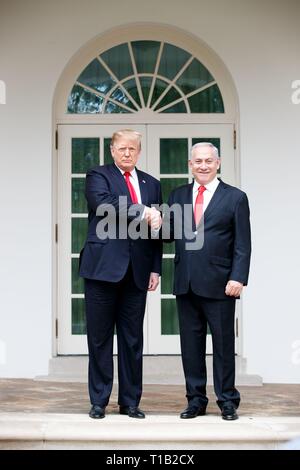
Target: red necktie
{"x": 132, "y": 192}
{"x": 198, "y": 209}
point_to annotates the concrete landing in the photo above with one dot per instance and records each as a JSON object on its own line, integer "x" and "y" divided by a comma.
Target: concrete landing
{"x": 156, "y": 370}
{"x": 78, "y": 431}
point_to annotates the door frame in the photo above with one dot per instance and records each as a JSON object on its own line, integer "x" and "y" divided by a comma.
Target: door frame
{"x": 151, "y": 132}
{"x": 105, "y": 40}
{"x": 66, "y": 342}
{"x": 164, "y": 343}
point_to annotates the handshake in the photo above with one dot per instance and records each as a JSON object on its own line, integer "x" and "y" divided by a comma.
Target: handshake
{"x": 153, "y": 218}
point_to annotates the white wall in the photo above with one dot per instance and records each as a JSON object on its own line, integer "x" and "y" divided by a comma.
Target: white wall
{"x": 259, "y": 43}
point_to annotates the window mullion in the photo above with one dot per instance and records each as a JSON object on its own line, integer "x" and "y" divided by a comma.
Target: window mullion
{"x": 102, "y": 95}
{"x": 137, "y": 80}
{"x": 155, "y": 74}
{"x": 202, "y": 88}
{"x": 173, "y": 82}
{"x": 183, "y": 98}
{"x": 118, "y": 83}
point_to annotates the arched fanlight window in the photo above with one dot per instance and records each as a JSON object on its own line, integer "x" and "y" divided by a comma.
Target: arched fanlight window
{"x": 145, "y": 74}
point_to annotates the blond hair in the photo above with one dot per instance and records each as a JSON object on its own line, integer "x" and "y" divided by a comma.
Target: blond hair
{"x": 126, "y": 132}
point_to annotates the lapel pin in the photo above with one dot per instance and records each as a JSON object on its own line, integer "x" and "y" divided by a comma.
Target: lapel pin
{"x": 143, "y": 181}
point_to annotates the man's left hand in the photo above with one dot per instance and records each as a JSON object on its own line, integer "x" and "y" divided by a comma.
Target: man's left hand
{"x": 233, "y": 288}
{"x": 153, "y": 281}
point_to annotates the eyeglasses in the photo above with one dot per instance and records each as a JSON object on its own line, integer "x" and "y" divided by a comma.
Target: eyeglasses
{"x": 122, "y": 150}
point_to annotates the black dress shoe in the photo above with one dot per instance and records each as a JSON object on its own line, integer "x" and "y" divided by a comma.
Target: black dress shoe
{"x": 132, "y": 412}
{"x": 192, "y": 411}
{"x": 97, "y": 412}
{"x": 228, "y": 412}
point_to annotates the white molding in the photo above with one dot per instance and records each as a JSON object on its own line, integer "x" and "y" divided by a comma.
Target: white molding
{"x": 130, "y": 32}
{"x": 145, "y": 116}
{"x": 2, "y": 92}
{"x": 146, "y": 31}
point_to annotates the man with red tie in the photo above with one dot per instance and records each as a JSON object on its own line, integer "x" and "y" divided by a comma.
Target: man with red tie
{"x": 118, "y": 271}
{"x": 210, "y": 272}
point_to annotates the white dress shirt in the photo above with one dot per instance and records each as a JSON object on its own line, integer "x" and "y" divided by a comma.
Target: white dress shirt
{"x": 134, "y": 181}
{"x": 208, "y": 194}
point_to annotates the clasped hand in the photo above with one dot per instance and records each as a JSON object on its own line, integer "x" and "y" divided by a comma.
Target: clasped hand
{"x": 153, "y": 218}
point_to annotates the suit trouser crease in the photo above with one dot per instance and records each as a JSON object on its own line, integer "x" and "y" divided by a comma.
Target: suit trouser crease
{"x": 195, "y": 313}
{"x": 119, "y": 304}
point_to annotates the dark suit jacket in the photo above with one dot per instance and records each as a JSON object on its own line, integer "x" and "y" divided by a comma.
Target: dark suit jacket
{"x": 225, "y": 253}
{"x": 108, "y": 259}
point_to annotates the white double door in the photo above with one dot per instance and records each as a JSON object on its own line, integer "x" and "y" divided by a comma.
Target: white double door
{"x": 164, "y": 155}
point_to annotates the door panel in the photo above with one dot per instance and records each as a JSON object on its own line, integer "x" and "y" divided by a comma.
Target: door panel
{"x": 80, "y": 147}
{"x": 168, "y": 146}
{"x": 164, "y": 155}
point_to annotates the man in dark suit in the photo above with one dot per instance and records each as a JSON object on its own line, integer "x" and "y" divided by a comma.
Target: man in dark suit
{"x": 118, "y": 269}
{"x": 211, "y": 267}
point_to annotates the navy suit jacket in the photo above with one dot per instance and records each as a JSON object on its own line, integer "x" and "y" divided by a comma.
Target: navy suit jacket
{"x": 108, "y": 259}
{"x": 225, "y": 254}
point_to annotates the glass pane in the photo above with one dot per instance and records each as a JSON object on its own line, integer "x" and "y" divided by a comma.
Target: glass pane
{"x": 168, "y": 184}
{"x": 158, "y": 89}
{"x": 78, "y": 317}
{"x": 195, "y": 76}
{"x": 169, "y": 317}
{"x": 172, "y": 60}
{"x": 77, "y": 282}
{"x": 169, "y": 248}
{"x": 118, "y": 60}
{"x": 173, "y": 156}
{"x": 111, "y": 108}
{"x": 146, "y": 85}
{"x": 131, "y": 87}
{"x": 177, "y": 108}
{"x": 79, "y": 232}
{"x": 97, "y": 77}
{"x": 145, "y": 55}
{"x": 79, "y": 204}
{"x": 167, "y": 276}
{"x": 85, "y": 154}
{"x": 213, "y": 140}
{"x": 120, "y": 96}
{"x": 81, "y": 101}
{"x": 107, "y": 155}
{"x": 171, "y": 96}
{"x": 208, "y": 101}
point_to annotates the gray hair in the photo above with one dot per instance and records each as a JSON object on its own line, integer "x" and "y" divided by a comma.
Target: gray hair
{"x": 204, "y": 144}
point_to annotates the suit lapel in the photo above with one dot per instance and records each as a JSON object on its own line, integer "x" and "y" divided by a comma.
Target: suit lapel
{"x": 190, "y": 193}
{"x": 144, "y": 190}
{"x": 213, "y": 204}
{"x": 119, "y": 181}
{"x": 189, "y": 220}
{"x": 215, "y": 200}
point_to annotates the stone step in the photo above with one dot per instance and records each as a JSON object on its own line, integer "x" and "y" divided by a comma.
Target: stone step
{"x": 156, "y": 370}
{"x": 115, "y": 432}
